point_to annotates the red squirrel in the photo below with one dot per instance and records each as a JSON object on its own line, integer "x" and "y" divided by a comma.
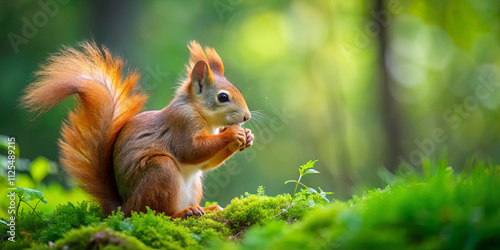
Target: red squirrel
{"x": 131, "y": 159}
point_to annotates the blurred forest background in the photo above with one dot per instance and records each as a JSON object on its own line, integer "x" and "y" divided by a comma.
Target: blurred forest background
{"x": 359, "y": 85}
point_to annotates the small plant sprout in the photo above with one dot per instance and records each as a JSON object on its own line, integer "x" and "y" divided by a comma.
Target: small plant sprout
{"x": 306, "y": 194}
{"x": 308, "y": 191}
{"x": 261, "y": 190}
{"x": 26, "y": 194}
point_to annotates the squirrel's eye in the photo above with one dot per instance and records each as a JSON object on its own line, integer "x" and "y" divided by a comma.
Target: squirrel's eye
{"x": 223, "y": 97}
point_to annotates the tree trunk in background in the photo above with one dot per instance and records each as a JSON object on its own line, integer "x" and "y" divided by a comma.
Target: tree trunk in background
{"x": 388, "y": 106}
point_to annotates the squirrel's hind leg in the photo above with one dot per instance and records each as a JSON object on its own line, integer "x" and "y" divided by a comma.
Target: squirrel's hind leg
{"x": 156, "y": 187}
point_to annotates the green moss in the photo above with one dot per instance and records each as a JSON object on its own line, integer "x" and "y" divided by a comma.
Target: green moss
{"x": 70, "y": 216}
{"x": 206, "y": 229}
{"x": 21, "y": 243}
{"x": 253, "y": 209}
{"x": 441, "y": 210}
{"x": 32, "y": 228}
{"x": 159, "y": 231}
{"x": 436, "y": 210}
{"x": 99, "y": 237}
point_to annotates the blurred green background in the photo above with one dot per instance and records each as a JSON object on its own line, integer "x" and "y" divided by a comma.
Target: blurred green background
{"x": 359, "y": 85}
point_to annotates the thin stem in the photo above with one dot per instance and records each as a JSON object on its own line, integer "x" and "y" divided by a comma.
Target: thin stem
{"x": 33, "y": 209}
{"x": 36, "y": 204}
{"x": 295, "y": 191}
{"x": 19, "y": 204}
{"x": 282, "y": 211}
{"x": 302, "y": 184}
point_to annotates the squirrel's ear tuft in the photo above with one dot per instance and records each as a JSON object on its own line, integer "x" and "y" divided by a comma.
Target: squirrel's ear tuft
{"x": 214, "y": 61}
{"x": 195, "y": 53}
{"x": 200, "y": 76}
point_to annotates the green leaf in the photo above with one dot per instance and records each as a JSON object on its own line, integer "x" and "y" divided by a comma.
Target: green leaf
{"x": 311, "y": 203}
{"x": 309, "y": 164}
{"x": 260, "y": 190}
{"x": 39, "y": 169}
{"x": 290, "y": 181}
{"x": 30, "y": 194}
{"x": 25, "y": 198}
{"x": 311, "y": 171}
{"x": 323, "y": 194}
{"x": 312, "y": 190}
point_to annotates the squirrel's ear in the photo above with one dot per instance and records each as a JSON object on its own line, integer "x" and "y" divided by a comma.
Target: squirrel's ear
{"x": 200, "y": 76}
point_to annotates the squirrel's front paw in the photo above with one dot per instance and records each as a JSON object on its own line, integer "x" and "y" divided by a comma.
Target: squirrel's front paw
{"x": 238, "y": 137}
{"x": 249, "y": 139}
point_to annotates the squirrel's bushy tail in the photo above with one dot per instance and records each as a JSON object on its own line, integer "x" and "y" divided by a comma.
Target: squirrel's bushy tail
{"x": 105, "y": 104}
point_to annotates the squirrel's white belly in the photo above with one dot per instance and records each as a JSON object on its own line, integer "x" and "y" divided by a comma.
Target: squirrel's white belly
{"x": 189, "y": 175}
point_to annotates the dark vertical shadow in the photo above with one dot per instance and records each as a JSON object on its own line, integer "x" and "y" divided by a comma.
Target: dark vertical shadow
{"x": 113, "y": 22}
{"x": 388, "y": 106}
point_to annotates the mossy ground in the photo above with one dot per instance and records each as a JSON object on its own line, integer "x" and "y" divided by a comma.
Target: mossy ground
{"x": 437, "y": 210}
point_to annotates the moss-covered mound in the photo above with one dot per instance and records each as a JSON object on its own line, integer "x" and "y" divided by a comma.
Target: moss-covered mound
{"x": 439, "y": 210}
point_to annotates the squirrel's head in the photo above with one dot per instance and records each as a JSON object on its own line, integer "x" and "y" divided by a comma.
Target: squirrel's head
{"x": 219, "y": 101}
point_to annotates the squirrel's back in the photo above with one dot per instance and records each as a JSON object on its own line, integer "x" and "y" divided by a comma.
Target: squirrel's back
{"x": 106, "y": 102}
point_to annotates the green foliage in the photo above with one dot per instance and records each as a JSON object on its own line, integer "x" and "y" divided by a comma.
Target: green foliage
{"x": 446, "y": 211}
{"x": 308, "y": 194}
{"x": 206, "y": 229}
{"x": 261, "y": 190}
{"x": 34, "y": 184}
{"x": 251, "y": 209}
{"x": 42, "y": 228}
{"x": 157, "y": 231}
{"x": 98, "y": 237}
{"x": 25, "y": 194}
{"x": 440, "y": 209}
{"x": 254, "y": 209}
{"x": 69, "y": 216}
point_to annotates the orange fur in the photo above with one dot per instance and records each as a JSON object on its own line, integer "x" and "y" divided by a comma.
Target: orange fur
{"x": 211, "y": 57}
{"x": 106, "y": 103}
{"x": 153, "y": 158}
